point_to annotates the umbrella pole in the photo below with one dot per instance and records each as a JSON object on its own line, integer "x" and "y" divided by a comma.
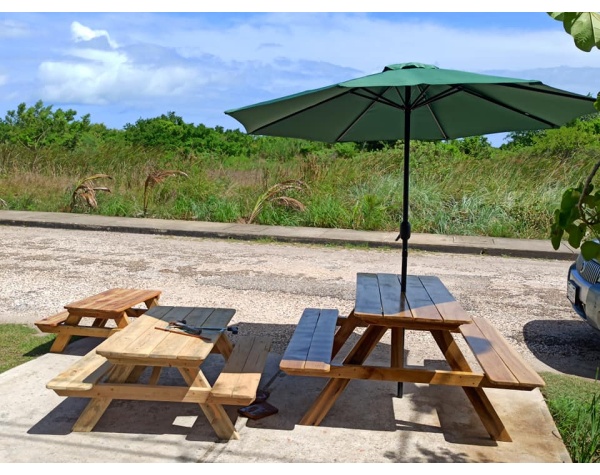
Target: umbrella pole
{"x": 405, "y": 225}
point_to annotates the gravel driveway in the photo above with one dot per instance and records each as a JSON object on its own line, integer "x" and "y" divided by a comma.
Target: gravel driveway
{"x": 270, "y": 284}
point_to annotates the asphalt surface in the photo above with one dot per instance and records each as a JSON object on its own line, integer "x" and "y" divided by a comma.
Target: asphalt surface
{"x": 367, "y": 424}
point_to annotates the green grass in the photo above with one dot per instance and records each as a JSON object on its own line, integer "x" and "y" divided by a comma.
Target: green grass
{"x": 573, "y": 402}
{"x": 20, "y": 344}
{"x": 575, "y": 407}
{"x": 510, "y": 194}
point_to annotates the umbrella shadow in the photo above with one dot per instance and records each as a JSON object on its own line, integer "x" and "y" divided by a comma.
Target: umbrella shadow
{"x": 571, "y": 347}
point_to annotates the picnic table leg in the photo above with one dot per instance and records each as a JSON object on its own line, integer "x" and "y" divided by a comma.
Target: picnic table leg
{"x": 343, "y": 332}
{"x": 335, "y": 386}
{"x": 97, "y": 406}
{"x": 62, "y": 340}
{"x": 215, "y": 413}
{"x": 397, "y": 356}
{"x": 481, "y": 403}
{"x": 153, "y": 302}
{"x": 224, "y": 346}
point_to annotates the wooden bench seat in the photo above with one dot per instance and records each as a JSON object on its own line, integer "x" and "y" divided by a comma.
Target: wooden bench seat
{"x": 81, "y": 376}
{"x": 238, "y": 382}
{"x": 49, "y": 324}
{"x": 311, "y": 345}
{"x": 502, "y": 365}
{"x": 236, "y": 385}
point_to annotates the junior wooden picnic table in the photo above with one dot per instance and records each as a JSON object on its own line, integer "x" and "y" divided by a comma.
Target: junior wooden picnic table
{"x": 113, "y": 304}
{"x": 427, "y": 306}
{"x": 128, "y": 365}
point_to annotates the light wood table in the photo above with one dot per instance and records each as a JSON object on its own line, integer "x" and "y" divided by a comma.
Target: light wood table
{"x": 113, "y": 304}
{"x": 116, "y": 368}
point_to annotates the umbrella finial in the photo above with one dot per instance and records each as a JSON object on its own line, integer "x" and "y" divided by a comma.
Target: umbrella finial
{"x": 393, "y": 67}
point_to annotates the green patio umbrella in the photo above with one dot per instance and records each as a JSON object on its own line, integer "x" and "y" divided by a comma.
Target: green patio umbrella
{"x": 414, "y": 101}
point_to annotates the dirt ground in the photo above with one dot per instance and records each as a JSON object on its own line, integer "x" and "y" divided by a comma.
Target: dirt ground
{"x": 270, "y": 284}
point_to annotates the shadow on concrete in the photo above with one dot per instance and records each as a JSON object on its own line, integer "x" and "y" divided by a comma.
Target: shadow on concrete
{"x": 571, "y": 347}
{"x": 363, "y": 406}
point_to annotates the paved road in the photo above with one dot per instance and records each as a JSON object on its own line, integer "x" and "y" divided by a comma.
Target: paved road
{"x": 270, "y": 284}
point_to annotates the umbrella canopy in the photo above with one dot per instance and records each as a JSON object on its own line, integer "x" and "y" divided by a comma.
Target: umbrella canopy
{"x": 414, "y": 101}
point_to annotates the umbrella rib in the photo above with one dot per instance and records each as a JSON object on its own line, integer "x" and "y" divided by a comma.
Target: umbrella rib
{"x": 442, "y": 95}
{"x": 552, "y": 93}
{"x": 257, "y": 130}
{"x": 378, "y": 98}
{"x": 428, "y": 105}
{"x": 373, "y": 101}
{"x": 511, "y": 108}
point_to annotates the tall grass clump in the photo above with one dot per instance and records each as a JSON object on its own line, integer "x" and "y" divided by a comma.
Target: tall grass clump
{"x": 575, "y": 407}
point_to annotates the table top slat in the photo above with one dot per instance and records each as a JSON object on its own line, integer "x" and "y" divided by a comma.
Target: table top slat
{"x": 368, "y": 299}
{"x": 112, "y": 301}
{"x": 421, "y": 305}
{"x": 147, "y": 342}
{"x": 141, "y": 340}
{"x": 218, "y": 318}
{"x": 448, "y": 307}
{"x": 392, "y": 302}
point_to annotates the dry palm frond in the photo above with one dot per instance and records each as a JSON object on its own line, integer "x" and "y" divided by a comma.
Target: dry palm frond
{"x": 274, "y": 194}
{"x": 3, "y": 203}
{"x": 155, "y": 178}
{"x": 86, "y": 191}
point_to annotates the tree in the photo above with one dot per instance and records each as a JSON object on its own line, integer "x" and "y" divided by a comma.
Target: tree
{"x": 579, "y": 212}
{"x": 39, "y": 126}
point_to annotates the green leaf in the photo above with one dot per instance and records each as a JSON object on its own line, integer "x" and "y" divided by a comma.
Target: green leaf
{"x": 590, "y": 250}
{"x": 570, "y": 198}
{"x": 556, "y": 234}
{"x": 576, "y": 234}
{"x": 584, "y": 27}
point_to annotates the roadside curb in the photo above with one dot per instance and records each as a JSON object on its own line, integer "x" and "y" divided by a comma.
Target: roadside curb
{"x": 528, "y": 248}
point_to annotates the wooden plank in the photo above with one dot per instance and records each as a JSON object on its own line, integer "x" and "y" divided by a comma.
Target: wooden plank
{"x": 421, "y": 306}
{"x": 218, "y": 318}
{"x": 215, "y": 413}
{"x": 238, "y": 382}
{"x": 149, "y": 339}
{"x": 296, "y": 352}
{"x": 321, "y": 346}
{"x": 448, "y": 307}
{"x": 52, "y": 321}
{"x": 491, "y": 363}
{"x": 140, "y": 392}
{"x": 81, "y": 375}
{"x": 111, "y": 302}
{"x": 382, "y": 373}
{"x": 113, "y": 347}
{"x": 368, "y": 299}
{"x": 525, "y": 375}
{"x": 392, "y": 301}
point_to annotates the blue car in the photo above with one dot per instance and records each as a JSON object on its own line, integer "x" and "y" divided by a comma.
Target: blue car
{"x": 583, "y": 290}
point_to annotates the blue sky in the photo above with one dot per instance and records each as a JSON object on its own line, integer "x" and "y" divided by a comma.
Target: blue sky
{"x": 119, "y": 66}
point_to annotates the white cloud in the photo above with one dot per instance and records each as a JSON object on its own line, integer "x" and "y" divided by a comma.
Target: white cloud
{"x": 114, "y": 82}
{"x": 3, "y": 79}
{"x": 81, "y": 32}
